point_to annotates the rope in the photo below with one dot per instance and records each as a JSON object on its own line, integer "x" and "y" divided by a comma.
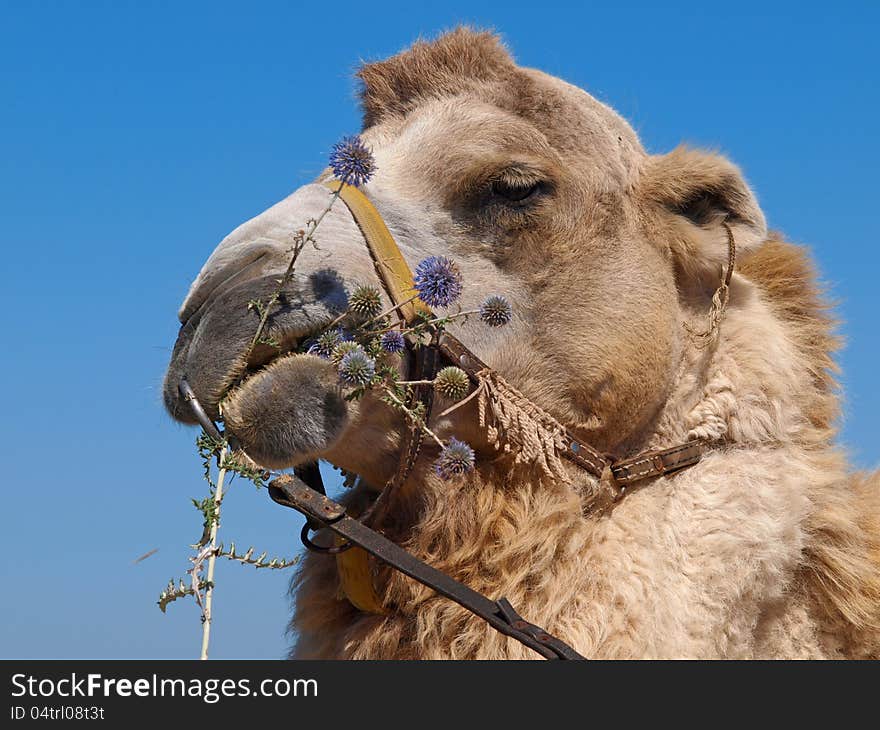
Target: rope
{"x": 719, "y": 299}
{"x": 516, "y": 425}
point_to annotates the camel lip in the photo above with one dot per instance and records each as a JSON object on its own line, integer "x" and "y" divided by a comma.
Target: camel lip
{"x": 263, "y": 355}
{"x": 261, "y": 358}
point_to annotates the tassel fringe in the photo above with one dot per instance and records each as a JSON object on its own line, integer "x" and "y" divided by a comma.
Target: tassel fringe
{"x": 517, "y": 426}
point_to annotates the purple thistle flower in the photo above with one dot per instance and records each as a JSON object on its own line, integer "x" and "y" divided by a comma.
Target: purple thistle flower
{"x": 393, "y": 342}
{"x": 457, "y": 458}
{"x": 352, "y": 161}
{"x": 438, "y": 281}
{"x": 496, "y": 311}
{"x": 357, "y": 368}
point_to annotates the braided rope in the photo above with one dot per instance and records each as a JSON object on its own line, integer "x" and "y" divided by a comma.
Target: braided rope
{"x": 719, "y": 299}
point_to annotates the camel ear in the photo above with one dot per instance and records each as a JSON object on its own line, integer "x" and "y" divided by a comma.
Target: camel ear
{"x": 694, "y": 192}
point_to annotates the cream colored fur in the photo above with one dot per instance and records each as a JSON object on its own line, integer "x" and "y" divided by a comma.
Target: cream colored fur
{"x": 770, "y": 547}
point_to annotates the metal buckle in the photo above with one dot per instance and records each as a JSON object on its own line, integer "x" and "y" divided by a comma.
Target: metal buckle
{"x": 315, "y": 548}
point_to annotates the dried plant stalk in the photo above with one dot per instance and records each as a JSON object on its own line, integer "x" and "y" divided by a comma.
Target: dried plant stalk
{"x": 207, "y": 616}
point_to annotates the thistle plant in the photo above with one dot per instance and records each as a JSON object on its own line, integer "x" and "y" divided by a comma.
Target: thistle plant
{"x": 352, "y": 164}
{"x": 438, "y": 281}
{"x": 363, "y": 342}
{"x": 363, "y": 349}
{"x": 392, "y": 342}
{"x": 352, "y": 161}
{"x": 356, "y": 368}
{"x": 496, "y": 311}
{"x": 326, "y": 343}
{"x": 365, "y": 301}
{"x": 452, "y": 383}
{"x": 457, "y": 458}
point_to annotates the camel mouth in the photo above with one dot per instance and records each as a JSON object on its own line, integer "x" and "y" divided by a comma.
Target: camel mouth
{"x": 264, "y": 353}
{"x": 292, "y": 342}
{"x": 216, "y": 351}
{"x": 217, "y": 355}
{"x": 291, "y": 410}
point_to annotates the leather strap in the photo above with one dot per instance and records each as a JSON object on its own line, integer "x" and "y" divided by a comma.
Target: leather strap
{"x": 424, "y": 364}
{"x": 356, "y": 578}
{"x": 642, "y": 466}
{"x": 353, "y": 565}
{"x": 658, "y": 463}
{"x": 290, "y": 491}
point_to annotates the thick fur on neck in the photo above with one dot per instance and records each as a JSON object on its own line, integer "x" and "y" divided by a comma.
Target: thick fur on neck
{"x": 767, "y": 548}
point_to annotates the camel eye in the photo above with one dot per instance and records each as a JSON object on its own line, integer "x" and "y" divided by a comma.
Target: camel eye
{"x": 518, "y": 192}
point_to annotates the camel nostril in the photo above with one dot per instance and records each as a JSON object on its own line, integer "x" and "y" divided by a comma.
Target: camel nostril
{"x": 219, "y": 276}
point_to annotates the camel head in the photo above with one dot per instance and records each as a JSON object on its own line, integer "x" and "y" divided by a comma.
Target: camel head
{"x": 539, "y": 192}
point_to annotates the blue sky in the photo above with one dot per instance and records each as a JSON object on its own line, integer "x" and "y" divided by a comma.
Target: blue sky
{"x": 134, "y": 136}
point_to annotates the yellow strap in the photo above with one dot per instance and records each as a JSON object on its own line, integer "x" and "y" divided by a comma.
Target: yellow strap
{"x": 353, "y": 565}
{"x": 356, "y": 579}
{"x": 390, "y": 264}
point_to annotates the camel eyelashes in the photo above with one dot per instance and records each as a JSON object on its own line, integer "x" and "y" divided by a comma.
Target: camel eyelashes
{"x": 515, "y": 192}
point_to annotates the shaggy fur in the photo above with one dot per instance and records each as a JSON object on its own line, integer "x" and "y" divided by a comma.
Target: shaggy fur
{"x": 769, "y": 547}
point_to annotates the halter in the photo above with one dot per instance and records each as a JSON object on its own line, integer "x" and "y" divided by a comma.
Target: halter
{"x": 615, "y": 476}
{"x": 358, "y": 539}
{"x": 397, "y": 280}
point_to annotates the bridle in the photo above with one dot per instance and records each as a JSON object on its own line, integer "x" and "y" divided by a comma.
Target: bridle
{"x": 358, "y": 539}
{"x": 615, "y": 476}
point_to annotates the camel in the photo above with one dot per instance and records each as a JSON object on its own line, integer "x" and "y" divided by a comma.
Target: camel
{"x": 769, "y": 547}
